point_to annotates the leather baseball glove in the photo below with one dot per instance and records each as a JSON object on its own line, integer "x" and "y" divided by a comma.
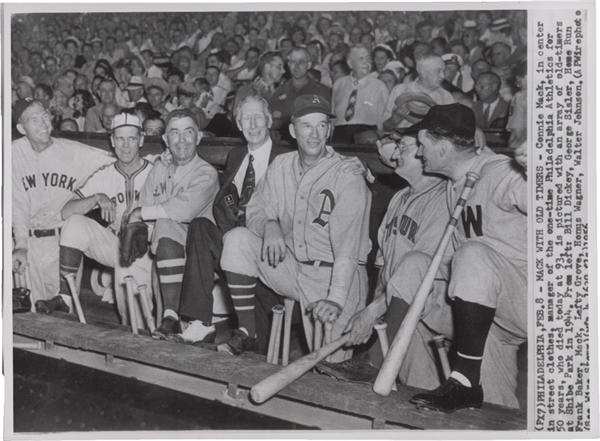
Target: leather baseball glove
{"x": 133, "y": 242}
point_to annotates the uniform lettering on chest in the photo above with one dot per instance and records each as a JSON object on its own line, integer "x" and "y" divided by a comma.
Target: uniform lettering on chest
{"x": 472, "y": 220}
{"x": 59, "y": 180}
{"x": 327, "y": 206}
{"x": 121, "y": 198}
{"x": 407, "y": 227}
{"x": 161, "y": 188}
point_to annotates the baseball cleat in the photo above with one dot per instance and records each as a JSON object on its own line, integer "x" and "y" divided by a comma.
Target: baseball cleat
{"x": 56, "y": 303}
{"x": 238, "y": 343}
{"x": 351, "y": 371}
{"x": 450, "y": 396}
{"x": 168, "y": 326}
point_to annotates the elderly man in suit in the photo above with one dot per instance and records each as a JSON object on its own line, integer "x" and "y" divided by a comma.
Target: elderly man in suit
{"x": 491, "y": 110}
{"x": 244, "y": 168}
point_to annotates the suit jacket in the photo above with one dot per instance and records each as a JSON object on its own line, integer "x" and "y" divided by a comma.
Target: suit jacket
{"x": 497, "y": 119}
{"x": 227, "y": 199}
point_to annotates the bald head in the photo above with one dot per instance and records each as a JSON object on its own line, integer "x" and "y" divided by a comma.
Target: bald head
{"x": 431, "y": 70}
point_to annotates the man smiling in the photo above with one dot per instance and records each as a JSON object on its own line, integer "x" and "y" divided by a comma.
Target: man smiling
{"x": 306, "y": 236}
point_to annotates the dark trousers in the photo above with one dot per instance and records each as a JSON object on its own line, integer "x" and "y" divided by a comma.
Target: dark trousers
{"x": 203, "y": 249}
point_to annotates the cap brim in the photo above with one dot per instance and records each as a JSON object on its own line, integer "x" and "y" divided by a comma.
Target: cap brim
{"x": 308, "y": 110}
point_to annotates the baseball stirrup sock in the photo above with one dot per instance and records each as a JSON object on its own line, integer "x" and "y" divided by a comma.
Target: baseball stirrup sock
{"x": 69, "y": 262}
{"x": 393, "y": 317}
{"x": 472, "y": 323}
{"x": 170, "y": 264}
{"x": 242, "y": 289}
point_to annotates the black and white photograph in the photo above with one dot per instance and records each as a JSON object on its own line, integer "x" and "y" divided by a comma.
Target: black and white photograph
{"x": 289, "y": 218}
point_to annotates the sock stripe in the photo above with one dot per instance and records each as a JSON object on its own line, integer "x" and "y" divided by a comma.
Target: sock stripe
{"x": 243, "y": 308}
{"x": 166, "y": 263}
{"x": 469, "y": 357}
{"x": 236, "y": 297}
{"x": 241, "y": 286}
{"x": 170, "y": 278}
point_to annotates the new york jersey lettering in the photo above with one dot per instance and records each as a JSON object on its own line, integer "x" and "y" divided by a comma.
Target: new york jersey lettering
{"x": 472, "y": 220}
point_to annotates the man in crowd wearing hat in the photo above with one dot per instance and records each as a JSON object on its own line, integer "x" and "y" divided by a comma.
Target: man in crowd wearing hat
{"x": 300, "y": 84}
{"x": 244, "y": 169}
{"x": 472, "y": 42}
{"x": 114, "y": 192}
{"x": 491, "y": 110}
{"x": 93, "y": 117}
{"x": 186, "y": 96}
{"x": 156, "y": 93}
{"x": 172, "y": 196}
{"x": 135, "y": 90}
{"x": 46, "y": 171}
{"x": 452, "y": 73}
{"x": 306, "y": 234}
{"x": 500, "y": 60}
{"x": 358, "y": 99}
{"x": 420, "y": 94}
{"x": 488, "y": 283}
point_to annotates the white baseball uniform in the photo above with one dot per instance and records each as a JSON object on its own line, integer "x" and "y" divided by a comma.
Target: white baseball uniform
{"x": 323, "y": 213}
{"x": 101, "y": 243}
{"x": 42, "y": 183}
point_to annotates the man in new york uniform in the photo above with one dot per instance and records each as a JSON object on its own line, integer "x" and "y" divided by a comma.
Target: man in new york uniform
{"x": 306, "y": 235}
{"x": 115, "y": 190}
{"x": 173, "y": 195}
{"x": 46, "y": 171}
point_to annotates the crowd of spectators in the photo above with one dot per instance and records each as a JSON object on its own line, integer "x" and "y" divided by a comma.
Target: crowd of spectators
{"x": 381, "y": 70}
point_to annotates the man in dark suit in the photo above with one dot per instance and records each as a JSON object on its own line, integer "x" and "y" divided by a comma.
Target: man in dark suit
{"x": 244, "y": 168}
{"x": 491, "y": 111}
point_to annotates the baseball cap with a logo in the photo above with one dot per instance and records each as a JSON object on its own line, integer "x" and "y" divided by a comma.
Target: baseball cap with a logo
{"x": 447, "y": 120}
{"x": 125, "y": 119}
{"x": 21, "y": 105}
{"x": 305, "y": 104}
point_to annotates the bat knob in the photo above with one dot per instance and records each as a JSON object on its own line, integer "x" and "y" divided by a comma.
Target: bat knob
{"x": 472, "y": 177}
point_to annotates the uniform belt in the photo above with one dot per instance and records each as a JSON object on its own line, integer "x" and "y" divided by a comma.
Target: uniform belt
{"x": 44, "y": 233}
{"x": 317, "y": 263}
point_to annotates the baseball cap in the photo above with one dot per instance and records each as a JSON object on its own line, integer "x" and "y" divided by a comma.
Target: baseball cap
{"x": 21, "y": 105}
{"x": 447, "y": 120}
{"x": 125, "y": 119}
{"x": 305, "y": 104}
{"x": 135, "y": 82}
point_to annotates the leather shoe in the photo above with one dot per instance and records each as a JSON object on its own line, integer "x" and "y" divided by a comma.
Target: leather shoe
{"x": 450, "y": 396}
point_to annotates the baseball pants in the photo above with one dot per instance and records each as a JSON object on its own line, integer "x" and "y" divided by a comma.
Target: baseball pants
{"x": 102, "y": 245}
{"x": 420, "y": 368}
{"x": 42, "y": 265}
{"x": 292, "y": 279}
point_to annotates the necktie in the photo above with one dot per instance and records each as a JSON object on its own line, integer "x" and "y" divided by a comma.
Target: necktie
{"x": 351, "y": 104}
{"x": 486, "y": 114}
{"x": 247, "y": 189}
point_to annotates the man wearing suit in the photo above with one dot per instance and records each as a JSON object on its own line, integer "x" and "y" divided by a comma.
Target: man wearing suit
{"x": 491, "y": 111}
{"x": 243, "y": 170}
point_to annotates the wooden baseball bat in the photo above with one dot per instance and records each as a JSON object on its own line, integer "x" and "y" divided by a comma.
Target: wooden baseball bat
{"x": 395, "y": 356}
{"x": 441, "y": 349}
{"x": 146, "y": 308}
{"x": 75, "y": 295}
{"x": 317, "y": 335}
{"x": 130, "y": 290}
{"x": 275, "y": 337}
{"x": 384, "y": 344}
{"x": 287, "y": 331}
{"x": 268, "y": 387}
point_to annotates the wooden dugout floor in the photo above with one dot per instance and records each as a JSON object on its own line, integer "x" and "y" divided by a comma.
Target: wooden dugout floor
{"x": 314, "y": 400}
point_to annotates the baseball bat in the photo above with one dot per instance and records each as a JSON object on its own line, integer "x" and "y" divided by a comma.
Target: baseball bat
{"x": 277, "y": 313}
{"x": 275, "y": 337}
{"x": 287, "y": 331}
{"x": 75, "y": 295}
{"x": 395, "y": 356}
{"x": 441, "y": 349}
{"x": 317, "y": 334}
{"x": 268, "y": 387}
{"x": 130, "y": 289}
{"x": 384, "y": 344}
{"x": 146, "y": 308}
